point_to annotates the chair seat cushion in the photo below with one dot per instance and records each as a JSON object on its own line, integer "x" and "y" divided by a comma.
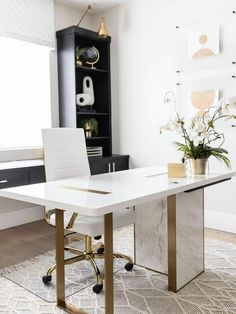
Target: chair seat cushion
{"x": 94, "y": 226}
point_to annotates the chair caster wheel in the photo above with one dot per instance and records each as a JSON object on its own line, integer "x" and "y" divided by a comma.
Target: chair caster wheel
{"x": 97, "y": 288}
{"x": 46, "y": 279}
{"x": 100, "y": 250}
{"x": 129, "y": 266}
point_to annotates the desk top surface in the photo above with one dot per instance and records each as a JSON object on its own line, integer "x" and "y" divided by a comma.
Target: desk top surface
{"x": 101, "y": 194}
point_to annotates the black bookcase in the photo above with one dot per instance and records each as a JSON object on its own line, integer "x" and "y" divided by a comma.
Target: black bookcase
{"x": 71, "y": 77}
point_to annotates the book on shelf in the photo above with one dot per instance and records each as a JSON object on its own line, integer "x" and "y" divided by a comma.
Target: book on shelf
{"x": 93, "y": 151}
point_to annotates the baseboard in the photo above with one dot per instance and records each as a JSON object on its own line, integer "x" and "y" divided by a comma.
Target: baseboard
{"x": 20, "y": 217}
{"x": 220, "y": 221}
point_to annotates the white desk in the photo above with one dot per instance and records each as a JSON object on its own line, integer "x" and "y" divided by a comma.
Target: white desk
{"x": 102, "y": 195}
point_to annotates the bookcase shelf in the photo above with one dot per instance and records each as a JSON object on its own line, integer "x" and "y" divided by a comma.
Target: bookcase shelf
{"x": 89, "y": 69}
{"x": 71, "y": 78}
{"x": 90, "y": 113}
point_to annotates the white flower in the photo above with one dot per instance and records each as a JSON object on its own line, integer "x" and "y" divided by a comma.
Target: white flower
{"x": 193, "y": 134}
{"x": 196, "y": 142}
{"x": 174, "y": 125}
{"x": 225, "y": 109}
{"x": 198, "y": 134}
{"x": 195, "y": 137}
{"x": 232, "y": 102}
{"x": 199, "y": 126}
{"x": 204, "y": 135}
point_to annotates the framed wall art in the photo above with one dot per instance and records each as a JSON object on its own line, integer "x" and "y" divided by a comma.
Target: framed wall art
{"x": 206, "y": 44}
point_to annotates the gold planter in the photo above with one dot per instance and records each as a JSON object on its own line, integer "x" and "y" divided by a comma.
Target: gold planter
{"x": 199, "y": 166}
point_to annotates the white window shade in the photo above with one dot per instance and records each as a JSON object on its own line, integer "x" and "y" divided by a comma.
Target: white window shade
{"x": 28, "y": 20}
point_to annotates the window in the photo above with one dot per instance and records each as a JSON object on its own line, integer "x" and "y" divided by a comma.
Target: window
{"x": 24, "y": 93}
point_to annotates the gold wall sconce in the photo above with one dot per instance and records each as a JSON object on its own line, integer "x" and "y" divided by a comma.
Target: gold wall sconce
{"x": 102, "y": 32}
{"x": 85, "y": 13}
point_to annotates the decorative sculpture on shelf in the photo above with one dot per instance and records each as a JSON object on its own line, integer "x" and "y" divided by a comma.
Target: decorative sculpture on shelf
{"x": 86, "y": 98}
{"x": 90, "y": 127}
{"x": 87, "y": 55}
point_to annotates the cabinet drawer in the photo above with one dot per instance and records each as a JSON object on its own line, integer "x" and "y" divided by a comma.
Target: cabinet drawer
{"x": 98, "y": 166}
{"x": 119, "y": 164}
{"x": 108, "y": 164}
{"x": 37, "y": 174}
{"x": 14, "y": 177}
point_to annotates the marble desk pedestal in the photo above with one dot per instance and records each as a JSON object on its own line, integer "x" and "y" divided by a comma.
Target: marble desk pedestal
{"x": 172, "y": 229}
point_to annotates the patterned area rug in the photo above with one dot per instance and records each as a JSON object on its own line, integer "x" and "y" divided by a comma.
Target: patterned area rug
{"x": 79, "y": 276}
{"x": 143, "y": 291}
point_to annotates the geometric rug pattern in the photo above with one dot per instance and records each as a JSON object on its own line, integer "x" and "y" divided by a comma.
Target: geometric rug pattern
{"x": 144, "y": 291}
{"x": 78, "y": 276}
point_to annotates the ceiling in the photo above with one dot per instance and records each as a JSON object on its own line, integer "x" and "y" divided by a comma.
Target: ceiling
{"x": 97, "y": 5}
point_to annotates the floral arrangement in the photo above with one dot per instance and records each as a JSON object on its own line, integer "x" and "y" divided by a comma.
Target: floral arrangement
{"x": 200, "y": 137}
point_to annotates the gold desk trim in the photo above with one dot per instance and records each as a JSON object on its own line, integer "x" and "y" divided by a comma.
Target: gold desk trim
{"x": 172, "y": 267}
{"x": 85, "y": 190}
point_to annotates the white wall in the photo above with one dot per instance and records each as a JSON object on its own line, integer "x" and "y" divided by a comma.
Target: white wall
{"x": 143, "y": 54}
{"x": 15, "y": 213}
{"x": 64, "y": 16}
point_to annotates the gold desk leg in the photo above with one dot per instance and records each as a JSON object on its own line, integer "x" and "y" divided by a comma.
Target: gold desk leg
{"x": 60, "y": 257}
{"x": 108, "y": 243}
{"x": 60, "y": 267}
{"x": 171, "y": 208}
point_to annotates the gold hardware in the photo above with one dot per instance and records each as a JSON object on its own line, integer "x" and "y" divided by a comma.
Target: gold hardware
{"x": 60, "y": 266}
{"x": 47, "y": 215}
{"x": 118, "y": 255}
{"x": 96, "y": 270}
{"x": 60, "y": 257}
{"x": 86, "y": 11}
{"x": 72, "y": 221}
{"x": 73, "y": 250}
{"x": 171, "y": 214}
{"x": 108, "y": 243}
{"x": 89, "y": 254}
{"x": 97, "y": 246}
{"x": 68, "y": 261}
{"x": 88, "y": 244}
{"x": 85, "y": 190}
{"x": 102, "y": 32}
{"x": 71, "y": 308}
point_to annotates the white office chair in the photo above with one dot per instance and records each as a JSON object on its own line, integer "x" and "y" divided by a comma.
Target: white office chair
{"x": 65, "y": 156}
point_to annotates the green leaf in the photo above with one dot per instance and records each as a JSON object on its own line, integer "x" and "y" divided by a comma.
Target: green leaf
{"x": 219, "y": 150}
{"x": 222, "y": 158}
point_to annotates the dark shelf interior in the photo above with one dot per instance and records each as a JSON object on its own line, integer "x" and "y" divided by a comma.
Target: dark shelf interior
{"x": 89, "y": 69}
{"x": 102, "y": 47}
{"x": 88, "y": 113}
{"x": 100, "y": 87}
{"x": 97, "y": 138}
{"x": 103, "y": 124}
{"x": 71, "y": 115}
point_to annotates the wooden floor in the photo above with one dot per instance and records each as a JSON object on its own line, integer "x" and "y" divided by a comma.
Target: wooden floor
{"x": 20, "y": 243}
{"x": 24, "y": 242}
{"x": 220, "y": 235}
{"x": 27, "y": 241}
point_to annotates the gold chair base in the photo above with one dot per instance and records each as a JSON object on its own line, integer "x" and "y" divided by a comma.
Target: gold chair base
{"x": 89, "y": 254}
